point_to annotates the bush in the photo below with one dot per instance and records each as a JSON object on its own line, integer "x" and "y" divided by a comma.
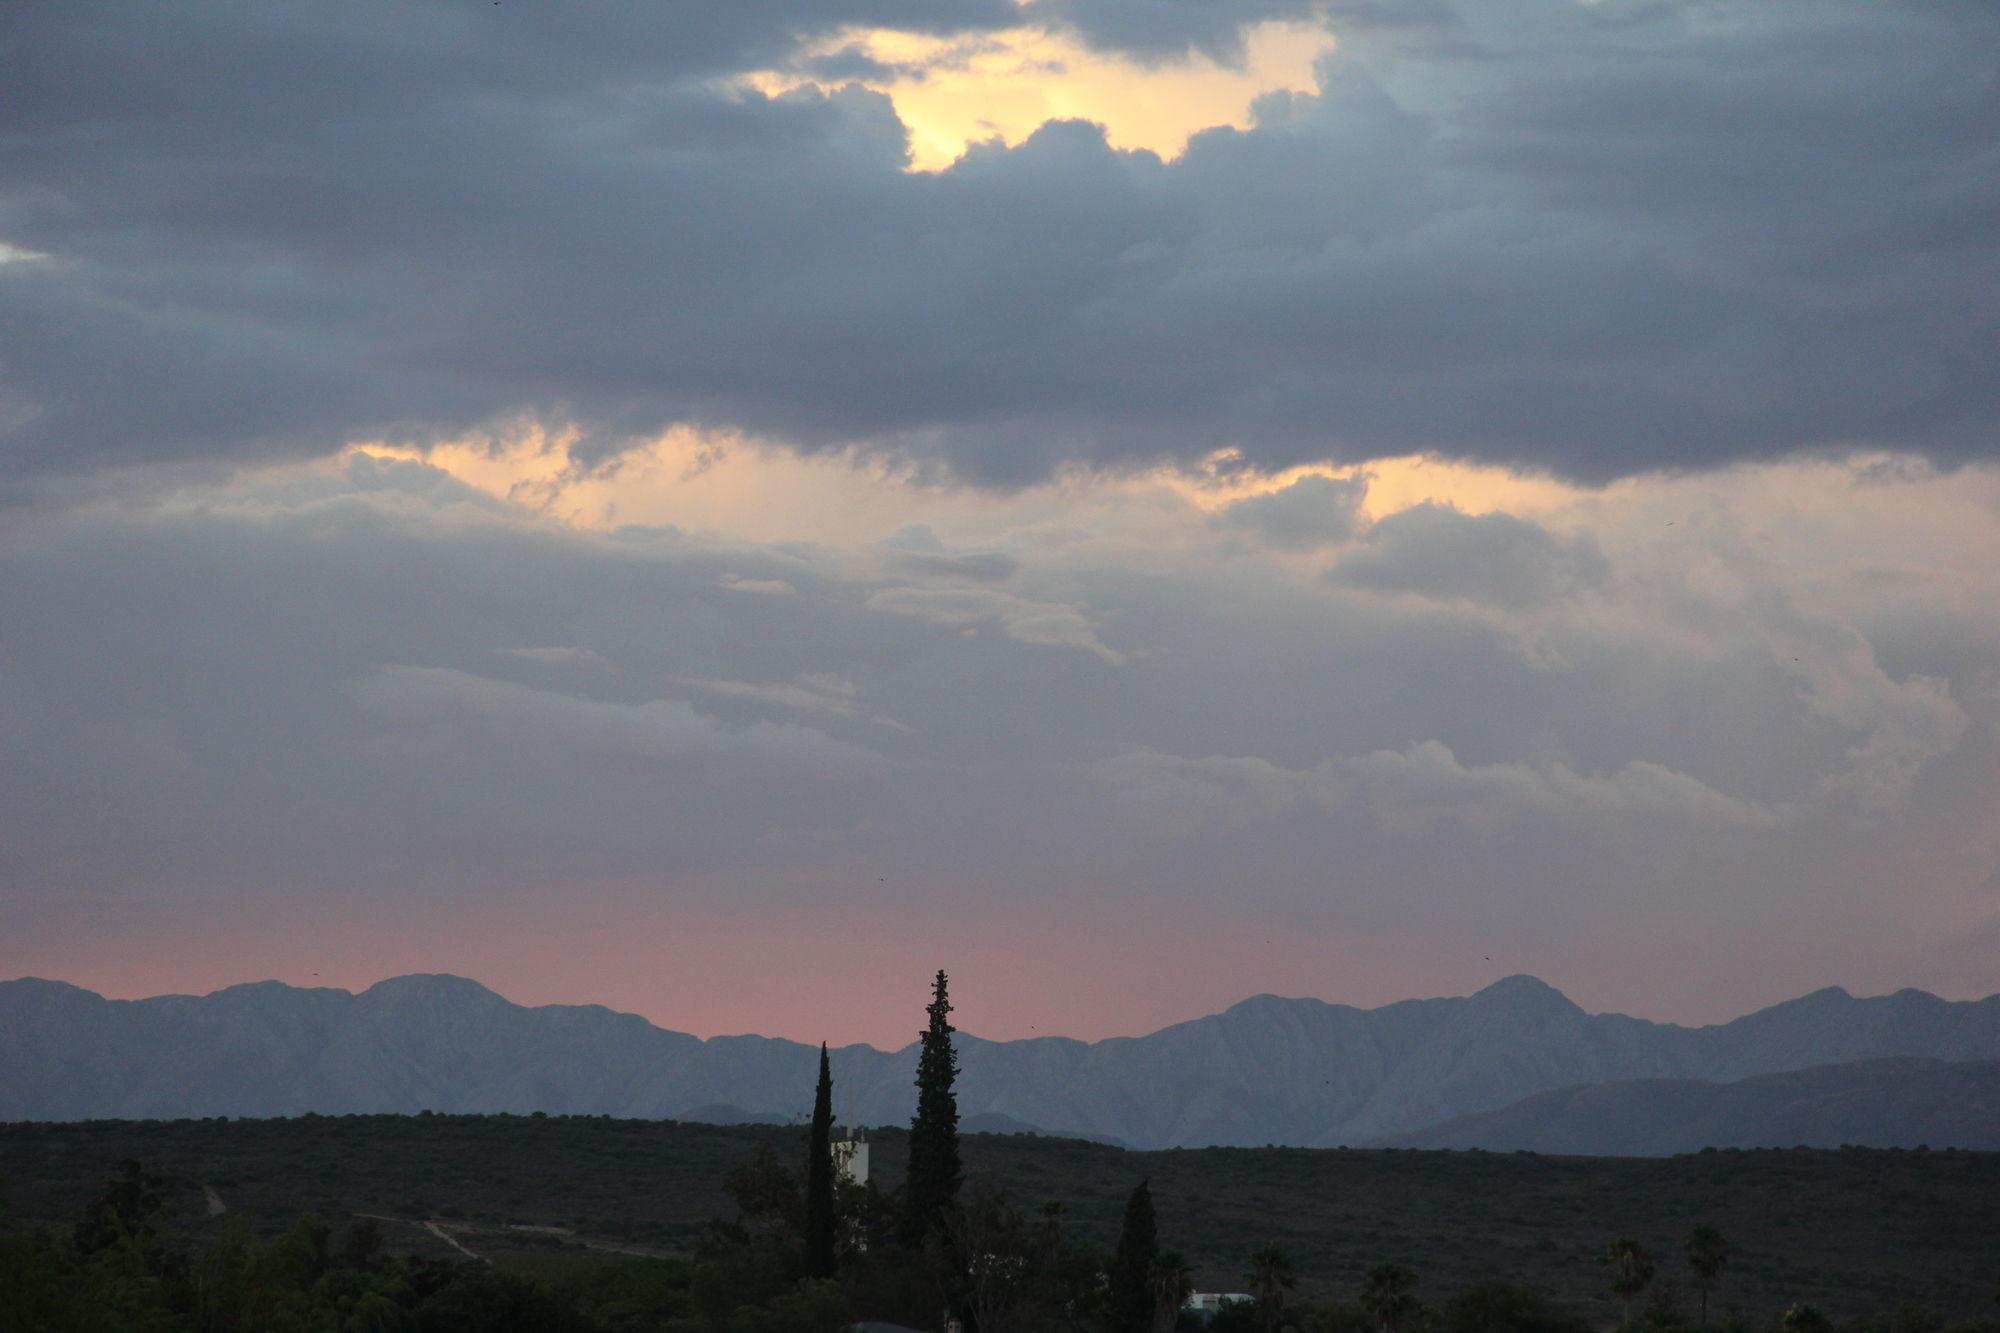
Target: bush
{"x": 1503, "y": 1307}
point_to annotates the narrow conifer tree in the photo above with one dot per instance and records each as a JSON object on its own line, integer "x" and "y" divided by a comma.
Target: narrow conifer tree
{"x": 1131, "y": 1268}
{"x": 932, "y": 1187}
{"x": 819, "y": 1176}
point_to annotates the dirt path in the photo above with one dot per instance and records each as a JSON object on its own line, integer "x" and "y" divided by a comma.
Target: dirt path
{"x": 567, "y": 1234}
{"x": 434, "y": 1228}
{"x": 452, "y": 1241}
{"x": 591, "y": 1243}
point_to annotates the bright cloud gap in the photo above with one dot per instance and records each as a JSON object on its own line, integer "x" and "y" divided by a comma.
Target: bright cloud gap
{"x": 953, "y": 93}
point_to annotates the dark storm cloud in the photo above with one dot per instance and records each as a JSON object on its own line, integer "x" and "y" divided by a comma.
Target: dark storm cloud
{"x": 1156, "y": 30}
{"x": 1168, "y": 29}
{"x": 1598, "y": 239}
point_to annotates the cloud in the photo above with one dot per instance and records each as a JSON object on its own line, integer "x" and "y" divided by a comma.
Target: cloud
{"x": 984, "y": 566}
{"x": 552, "y": 656}
{"x": 1411, "y": 789}
{"x": 1407, "y": 792}
{"x": 761, "y": 587}
{"x": 1589, "y": 239}
{"x": 1311, "y": 512}
{"x": 542, "y": 720}
{"x": 1050, "y": 624}
{"x": 1434, "y": 550}
{"x": 916, "y": 549}
{"x": 1895, "y": 727}
{"x": 819, "y": 693}
{"x": 921, "y": 538}
{"x": 1158, "y": 30}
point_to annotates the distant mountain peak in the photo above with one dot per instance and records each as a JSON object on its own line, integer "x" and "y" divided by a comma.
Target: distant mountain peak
{"x": 1517, "y": 981}
{"x": 269, "y": 986}
{"x": 1521, "y": 990}
{"x": 1825, "y": 995}
{"x": 46, "y": 984}
{"x": 433, "y": 985}
{"x": 1266, "y": 1002}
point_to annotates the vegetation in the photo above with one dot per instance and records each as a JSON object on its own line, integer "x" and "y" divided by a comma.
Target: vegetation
{"x": 1390, "y": 1297}
{"x": 1861, "y": 1234}
{"x": 1631, "y": 1269}
{"x": 1131, "y": 1273}
{"x": 1706, "y": 1253}
{"x": 934, "y": 1167}
{"x": 1171, "y": 1283}
{"x": 1269, "y": 1278}
{"x": 819, "y": 1227}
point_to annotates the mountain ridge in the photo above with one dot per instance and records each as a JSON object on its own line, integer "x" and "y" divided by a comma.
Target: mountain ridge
{"x": 1892, "y": 1102}
{"x": 1268, "y": 1069}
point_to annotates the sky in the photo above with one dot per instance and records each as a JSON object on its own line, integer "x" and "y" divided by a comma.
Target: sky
{"x": 723, "y": 510}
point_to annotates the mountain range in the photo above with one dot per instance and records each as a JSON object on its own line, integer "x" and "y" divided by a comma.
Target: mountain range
{"x": 1265, "y": 1071}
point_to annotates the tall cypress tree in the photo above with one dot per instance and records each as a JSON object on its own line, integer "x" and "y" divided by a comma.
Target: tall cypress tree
{"x": 1131, "y": 1267}
{"x": 819, "y": 1176}
{"x": 932, "y": 1188}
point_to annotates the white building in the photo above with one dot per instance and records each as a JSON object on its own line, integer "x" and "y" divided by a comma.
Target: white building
{"x": 1208, "y": 1304}
{"x": 850, "y": 1156}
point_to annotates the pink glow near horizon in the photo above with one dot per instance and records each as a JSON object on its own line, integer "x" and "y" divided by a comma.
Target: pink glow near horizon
{"x": 812, "y": 975}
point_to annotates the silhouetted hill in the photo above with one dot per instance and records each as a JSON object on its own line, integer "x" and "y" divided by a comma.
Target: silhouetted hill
{"x": 1268, "y": 1070}
{"x": 722, "y": 1113}
{"x": 1889, "y": 1103}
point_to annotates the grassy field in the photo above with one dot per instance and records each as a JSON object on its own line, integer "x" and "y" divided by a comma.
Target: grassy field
{"x": 1854, "y": 1231}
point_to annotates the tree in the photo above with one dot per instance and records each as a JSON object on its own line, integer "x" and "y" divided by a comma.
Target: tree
{"x": 1631, "y": 1270}
{"x": 1707, "y": 1252}
{"x": 131, "y": 1210}
{"x": 1270, "y": 1277}
{"x": 1082, "y": 1292}
{"x": 819, "y": 1176}
{"x": 1169, "y": 1281}
{"x": 1390, "y": 1295}
{"x": 1494, "y": 1306}
{"x": 1132, "y": 1266}
{"x": 932, "y": 1186}
{"x": 766, "y": 1194}
{"x": 1011, "y": 1279}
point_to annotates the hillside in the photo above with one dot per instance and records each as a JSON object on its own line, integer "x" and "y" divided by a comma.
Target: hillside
{"x": 1893, "y": 1103}
{"x": 1856, "y": 1232}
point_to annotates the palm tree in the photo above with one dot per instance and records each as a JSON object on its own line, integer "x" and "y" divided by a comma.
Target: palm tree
{"x": 1269, "y": 1278}
{"x": 1390, "y": 1295}
{"x": 1171, "y": 1282}
{"x": 1631, "y": 1270}
{"x": 1707, "y": 1252}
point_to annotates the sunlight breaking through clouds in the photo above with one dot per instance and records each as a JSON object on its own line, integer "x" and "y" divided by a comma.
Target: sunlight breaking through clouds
{"x": 953, "y": 92}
